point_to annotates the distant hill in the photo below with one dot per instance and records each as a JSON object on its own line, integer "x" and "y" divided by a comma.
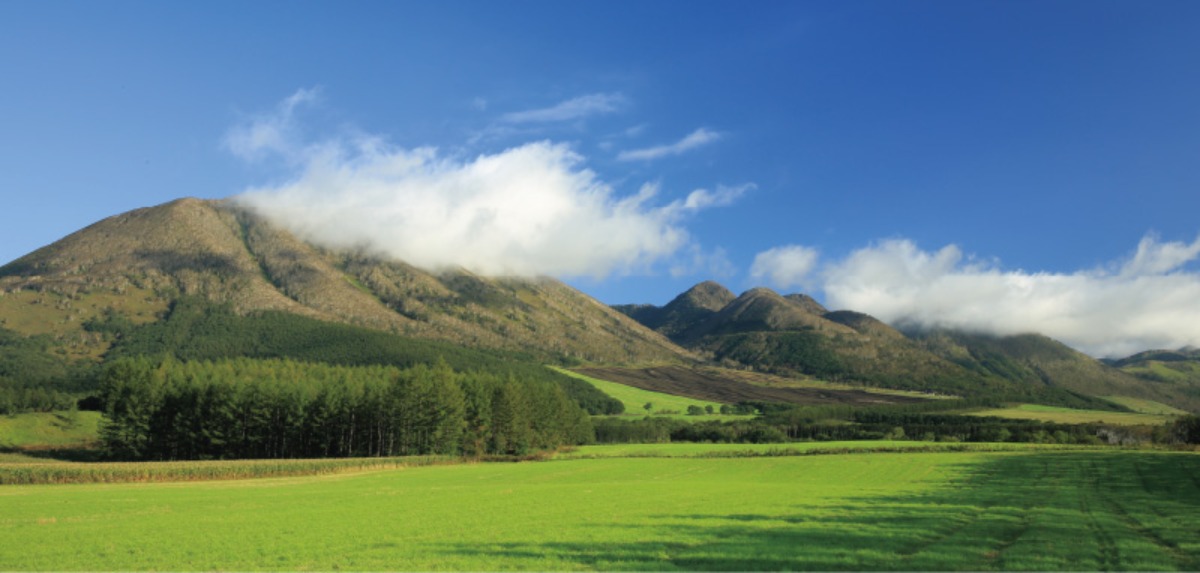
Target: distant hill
{"x": 795, "y": 335}
{"x": 693, "y": 306}
{"x": 1176, "y": 370}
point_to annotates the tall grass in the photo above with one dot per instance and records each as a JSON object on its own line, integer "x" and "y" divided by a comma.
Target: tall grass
{"x": 122, "y": 472}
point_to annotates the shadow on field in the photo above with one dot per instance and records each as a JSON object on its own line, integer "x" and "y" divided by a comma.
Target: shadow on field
{"x": 1045, "y": 511}
{"x": 57, "y": 454}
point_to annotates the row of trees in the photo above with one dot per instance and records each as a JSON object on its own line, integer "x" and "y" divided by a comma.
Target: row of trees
{"x": 243, "y": 408}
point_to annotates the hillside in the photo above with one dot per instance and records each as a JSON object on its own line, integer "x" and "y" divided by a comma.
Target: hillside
{"x": 796, "y": 336}
{"x": 689, "y": 308}
{"x": 1034, "y": 359}
{"x": 1176, "y": 370}
{"x": 133, "y": 266}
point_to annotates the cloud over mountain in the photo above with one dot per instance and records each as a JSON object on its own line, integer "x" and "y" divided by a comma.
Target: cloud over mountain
{"x": 788, "y": 266}
{"x": 532, "y": 209}
{"x": 1149, "y": 300}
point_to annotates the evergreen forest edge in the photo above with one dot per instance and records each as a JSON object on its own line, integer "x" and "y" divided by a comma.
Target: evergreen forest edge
{"x": 207, "y": 383}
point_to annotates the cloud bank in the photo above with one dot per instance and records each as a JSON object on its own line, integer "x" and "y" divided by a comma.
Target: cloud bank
{"x": 691, "y": 141}
{"x": 1149, "y": 300}
{"x": 529, "y": 210}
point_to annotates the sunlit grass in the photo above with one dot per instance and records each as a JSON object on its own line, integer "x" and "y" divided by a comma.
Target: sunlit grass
{"x": 1146, "y": 406}
{"x": 1072, "y": 416}
{"x": 44, "y": 430}
{"x": 635, "y": 399}
{"x": 1079, "y": 510}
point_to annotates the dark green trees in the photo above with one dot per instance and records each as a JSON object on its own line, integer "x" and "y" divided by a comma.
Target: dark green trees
{"x": 246, "y": 408}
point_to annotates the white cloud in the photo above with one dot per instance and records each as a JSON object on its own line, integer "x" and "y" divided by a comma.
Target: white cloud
{"x": 571, "y": 109}
{"x": 701, "y": 199}
{"x": 785, "y": 267}
{"x": 273, "y": 133}
{"x": 693, "y": 140}
{"x": 1149, "y": 301}
{"x": 529, "y": 210}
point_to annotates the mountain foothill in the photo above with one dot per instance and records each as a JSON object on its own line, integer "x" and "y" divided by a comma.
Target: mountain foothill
{"x": 153, "y": 279}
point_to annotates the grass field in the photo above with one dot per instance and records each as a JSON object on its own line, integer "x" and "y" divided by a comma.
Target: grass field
{"x": 1079, "y": 510}
{"x": 635, "y": 399}
{"x": 1146, "y": 406}
{"x": 696, "y": 450}
{"x": 44, "y": 430}
{"x": 1072, "y": 416}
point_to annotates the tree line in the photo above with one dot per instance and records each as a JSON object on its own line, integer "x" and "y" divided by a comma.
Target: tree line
{"x": 278, "y": 408}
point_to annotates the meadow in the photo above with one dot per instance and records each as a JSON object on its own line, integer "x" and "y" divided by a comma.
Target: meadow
{"x": 635, "y": 399}
{"x": 971, "y": 510}
{"x": 49, "y": 430}
{"x": 1061, "y": 415}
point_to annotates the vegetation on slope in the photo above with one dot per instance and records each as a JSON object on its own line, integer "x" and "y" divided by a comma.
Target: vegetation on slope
{"x": 145, "y": 259}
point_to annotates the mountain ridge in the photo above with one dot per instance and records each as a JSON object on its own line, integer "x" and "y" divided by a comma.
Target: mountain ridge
{"x": 220, "y": 252}
{"x": 793, "y": 334}
{"x": 131, "y": 268}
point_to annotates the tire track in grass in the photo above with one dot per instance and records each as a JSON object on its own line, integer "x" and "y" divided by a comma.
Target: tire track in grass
{"x": 1110, "y": 554}
{"x": 1182, "y": 559}
{"x": 1045, "y": 484}
{"x": 979, "y": 517}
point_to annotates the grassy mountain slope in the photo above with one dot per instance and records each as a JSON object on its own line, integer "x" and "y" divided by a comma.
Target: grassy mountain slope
{"x": 686, "y": 310}
{"x": 135, "y": 265}
{"x": 1033, "y": 359}
{"x": 1176, "y": 371}
{"x": 794, "y": 335}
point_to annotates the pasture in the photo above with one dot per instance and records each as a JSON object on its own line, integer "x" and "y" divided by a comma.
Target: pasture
{"x": 1074, "y": 416}
{"x": 1022, "y": 510}
{"x": 635, "y": 398}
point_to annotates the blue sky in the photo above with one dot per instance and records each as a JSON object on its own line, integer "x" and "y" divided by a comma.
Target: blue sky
{"x": 1005, "y": 166}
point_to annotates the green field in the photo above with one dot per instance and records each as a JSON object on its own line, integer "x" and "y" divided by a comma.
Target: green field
{"x": 1037, "y": 510}
{"x": 41, "y": 431}
{"x": 635, "y": 399}
{"x": 1146, "y": 406}
{"x": 698, "y": 450}
{"x": 1072, "y": 416}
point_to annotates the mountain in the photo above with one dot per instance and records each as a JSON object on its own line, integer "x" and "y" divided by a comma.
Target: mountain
{"x": 795, "y": 335}
{"x": 208, "y": 279}
{"x": 693, "y": 306}
{"x": 1175, "y": 369}
{"x": 134, "y": 266}
{"x": 1035, "y": 359}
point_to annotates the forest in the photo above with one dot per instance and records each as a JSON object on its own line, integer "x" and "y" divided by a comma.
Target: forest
{"x": 279, "y": 408}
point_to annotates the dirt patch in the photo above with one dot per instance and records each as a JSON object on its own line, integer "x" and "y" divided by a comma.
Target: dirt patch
{"x": 714, "y": 387}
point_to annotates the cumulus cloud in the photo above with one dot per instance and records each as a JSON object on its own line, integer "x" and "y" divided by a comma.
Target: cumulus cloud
{"x": 1149, "y": 300}
{"x": 693, "y": 140}
{"x": 785, "y": 267}
{"x": 534, "y": 209}
{"x": 572, "y": 109}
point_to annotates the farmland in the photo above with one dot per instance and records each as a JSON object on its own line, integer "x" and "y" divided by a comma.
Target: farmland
{"x": 634, "y": 399}
{"x": 1076, "y": 416}
{"x": 971, "y": 510}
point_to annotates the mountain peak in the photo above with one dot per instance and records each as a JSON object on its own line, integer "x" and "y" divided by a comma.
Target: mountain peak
{"x": 142, "y": 260}
{"x": 708, "y": 295}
